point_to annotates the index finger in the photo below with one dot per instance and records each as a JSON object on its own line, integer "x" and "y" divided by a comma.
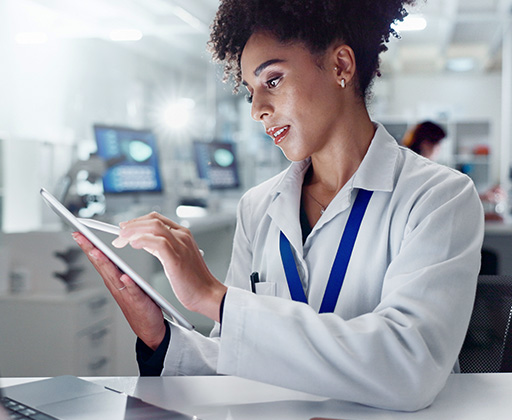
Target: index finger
{"x": 152, "y": 216}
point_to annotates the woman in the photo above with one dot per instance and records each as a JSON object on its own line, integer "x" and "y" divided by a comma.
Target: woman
{"x": 425, "y": 139}
{"x": 390, "y": 334}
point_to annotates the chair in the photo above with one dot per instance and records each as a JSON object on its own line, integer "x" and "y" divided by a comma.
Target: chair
{"x": 490, "y": 262}
{"x": 488, "y": 343}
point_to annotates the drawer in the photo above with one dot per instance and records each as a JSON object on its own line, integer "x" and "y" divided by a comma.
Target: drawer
{"x": 99, "y": 366}
{"x": 95, "y": 350}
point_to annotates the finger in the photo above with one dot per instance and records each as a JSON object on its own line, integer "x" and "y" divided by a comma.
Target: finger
{"x": 154, "y": 216}
{"x": 108, "y": 271}
{"x": 120, "y": 242}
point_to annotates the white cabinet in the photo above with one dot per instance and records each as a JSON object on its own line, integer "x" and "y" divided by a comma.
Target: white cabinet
{"x": 472, "y": 150}
{"x": 48, "y": 335}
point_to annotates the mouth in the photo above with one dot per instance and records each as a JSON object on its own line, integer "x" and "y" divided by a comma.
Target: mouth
{"x": 278, "y": 133}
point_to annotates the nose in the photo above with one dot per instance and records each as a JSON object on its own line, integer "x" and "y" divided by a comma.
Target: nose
{"x": 261, "y": 108}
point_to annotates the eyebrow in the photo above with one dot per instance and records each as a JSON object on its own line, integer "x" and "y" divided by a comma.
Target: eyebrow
{"x": 267, "y": 63}
{"x": 263, "y": 66}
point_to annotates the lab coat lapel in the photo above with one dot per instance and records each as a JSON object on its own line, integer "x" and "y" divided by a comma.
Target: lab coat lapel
{"x": 285, "y": 208}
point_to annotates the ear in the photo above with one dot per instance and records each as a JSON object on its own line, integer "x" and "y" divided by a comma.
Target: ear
{"x": 344, "y": 61}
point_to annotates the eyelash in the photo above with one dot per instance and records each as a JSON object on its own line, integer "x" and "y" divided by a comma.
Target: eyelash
{"x": 269, "y": 84}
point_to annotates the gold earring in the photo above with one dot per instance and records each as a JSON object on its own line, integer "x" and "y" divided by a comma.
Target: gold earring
{"x": 343, "y": 83}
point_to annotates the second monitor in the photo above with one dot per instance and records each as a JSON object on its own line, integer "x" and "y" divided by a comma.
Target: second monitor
{"x": 217, "y": 164}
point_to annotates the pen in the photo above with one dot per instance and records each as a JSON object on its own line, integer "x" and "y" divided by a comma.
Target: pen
{"x": 102, "y": 226}
{"x": 255, "y": 278}
{"x": 107, "y": 227}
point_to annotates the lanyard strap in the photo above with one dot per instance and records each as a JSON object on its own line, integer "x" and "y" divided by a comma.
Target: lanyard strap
{"x": 339, "y": 267}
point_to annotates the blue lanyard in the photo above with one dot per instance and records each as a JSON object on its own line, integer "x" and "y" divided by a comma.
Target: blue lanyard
{"x": 339, "y": 268}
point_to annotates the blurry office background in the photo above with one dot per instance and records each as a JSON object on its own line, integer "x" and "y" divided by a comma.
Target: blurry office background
{"x": 68, "y": 65}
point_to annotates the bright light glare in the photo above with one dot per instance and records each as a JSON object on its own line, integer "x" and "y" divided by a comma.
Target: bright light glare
{"x": 31, "y": 38}
{"x": 176, "y": 115}
{"x": 411, "y": 23}
{"x": 461, "y": 64}
{"x": 190, "y": 211}
{"x": 125, "y": 35}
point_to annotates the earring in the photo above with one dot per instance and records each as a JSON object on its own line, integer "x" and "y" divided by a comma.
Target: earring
{"x": 343, "y": 84}
{"x": 335, "y": 68}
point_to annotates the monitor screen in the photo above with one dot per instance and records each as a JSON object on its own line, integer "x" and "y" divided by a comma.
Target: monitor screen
{"x": 216, "y": 163}
{"x": 131, "y": 157}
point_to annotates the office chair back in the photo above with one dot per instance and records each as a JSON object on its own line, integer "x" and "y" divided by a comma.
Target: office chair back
{"x": 488, "y": 343}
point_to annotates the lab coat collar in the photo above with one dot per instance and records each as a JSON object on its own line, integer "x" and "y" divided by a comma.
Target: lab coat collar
{"x": 375, "y": 173}
{"x": 377, "y": 170}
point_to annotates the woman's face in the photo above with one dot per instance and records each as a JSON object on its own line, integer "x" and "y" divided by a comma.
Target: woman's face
{"x": 295, "y": 96}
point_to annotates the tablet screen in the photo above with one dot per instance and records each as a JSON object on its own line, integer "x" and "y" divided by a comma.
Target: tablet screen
{"x": 68, "y": 217}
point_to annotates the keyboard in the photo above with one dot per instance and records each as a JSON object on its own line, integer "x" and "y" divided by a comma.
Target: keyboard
{"x": 15, "y": 410}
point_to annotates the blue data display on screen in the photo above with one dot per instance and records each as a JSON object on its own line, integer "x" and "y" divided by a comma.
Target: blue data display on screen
{"x": 131, "y": 157}
{"x": 217, "y": 164}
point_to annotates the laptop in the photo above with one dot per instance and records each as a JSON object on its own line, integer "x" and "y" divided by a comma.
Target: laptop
{"x": 72, "y": 398}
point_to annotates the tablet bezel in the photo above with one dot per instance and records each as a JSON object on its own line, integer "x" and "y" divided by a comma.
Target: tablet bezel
{"x": 68, "y": 217}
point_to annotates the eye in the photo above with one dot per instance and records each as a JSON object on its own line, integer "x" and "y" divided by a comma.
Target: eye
{"x": 272, "y": 83}
{"x": 248, "y": 98}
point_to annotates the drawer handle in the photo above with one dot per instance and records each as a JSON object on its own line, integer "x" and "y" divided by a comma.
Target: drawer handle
{"x": 94, "y": 366}
{"x": 98, "y": 335}
{"x": 96, "y": 304}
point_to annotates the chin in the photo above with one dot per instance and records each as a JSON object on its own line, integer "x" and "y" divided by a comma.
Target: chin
{"x": 293, "y": 155}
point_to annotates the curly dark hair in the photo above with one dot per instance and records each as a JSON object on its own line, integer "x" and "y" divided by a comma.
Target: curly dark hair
{"x": 364, "y": 25}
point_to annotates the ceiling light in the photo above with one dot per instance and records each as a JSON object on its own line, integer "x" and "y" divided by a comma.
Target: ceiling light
{"x": 411, "y": 23}
{"x": 125, "y": 35}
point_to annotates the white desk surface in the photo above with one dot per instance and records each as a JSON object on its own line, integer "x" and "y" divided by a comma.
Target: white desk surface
{"x": 465, "y": 397}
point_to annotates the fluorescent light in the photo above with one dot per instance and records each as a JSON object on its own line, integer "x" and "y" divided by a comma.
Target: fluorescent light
{"x": 411, "y": 23}
{"x": 31, "y": 38}
{"x": 125, "y": 35}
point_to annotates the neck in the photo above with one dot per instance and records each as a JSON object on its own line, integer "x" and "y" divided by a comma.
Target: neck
{"x": 335, "y": 164}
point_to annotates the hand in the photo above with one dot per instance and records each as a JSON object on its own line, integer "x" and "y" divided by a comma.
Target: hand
{"x": 194, "y": 285}
{"x": 143, "y": 315}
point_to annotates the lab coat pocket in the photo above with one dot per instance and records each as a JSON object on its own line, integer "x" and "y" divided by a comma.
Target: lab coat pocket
{"x": 266, "y": 288}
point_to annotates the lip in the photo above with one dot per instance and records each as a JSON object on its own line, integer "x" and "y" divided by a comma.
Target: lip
{"x": 278, "y": 133}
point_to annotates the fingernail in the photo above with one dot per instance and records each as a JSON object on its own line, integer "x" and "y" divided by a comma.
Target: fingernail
{"x": 119, "y": 242}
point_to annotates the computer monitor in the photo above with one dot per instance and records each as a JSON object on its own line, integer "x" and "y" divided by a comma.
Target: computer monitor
{"x": 216, "y": 163}
{"x": 131, "y": 157}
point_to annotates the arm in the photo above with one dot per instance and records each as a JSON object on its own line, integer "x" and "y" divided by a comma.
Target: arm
{"x": 397, "y": 356}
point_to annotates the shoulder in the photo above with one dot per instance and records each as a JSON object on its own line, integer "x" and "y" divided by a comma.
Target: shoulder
{"x": 423, "y": 185}
{"x": 422, "y": 172}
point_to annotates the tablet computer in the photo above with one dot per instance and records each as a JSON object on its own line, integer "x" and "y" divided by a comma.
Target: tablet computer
{"x": 68, "y": 217}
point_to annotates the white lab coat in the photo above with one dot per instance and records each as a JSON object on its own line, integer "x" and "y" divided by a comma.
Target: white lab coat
{"x": 404, "y": 307}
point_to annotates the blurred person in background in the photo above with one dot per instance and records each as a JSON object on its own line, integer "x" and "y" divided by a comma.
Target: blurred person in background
{"x": 425, "y": 139}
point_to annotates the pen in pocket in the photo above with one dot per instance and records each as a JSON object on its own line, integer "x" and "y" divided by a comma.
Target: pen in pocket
{"x": 255, "y": 278}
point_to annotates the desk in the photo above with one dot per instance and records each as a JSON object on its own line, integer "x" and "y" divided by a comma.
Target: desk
{"x": 465, "y": 397}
